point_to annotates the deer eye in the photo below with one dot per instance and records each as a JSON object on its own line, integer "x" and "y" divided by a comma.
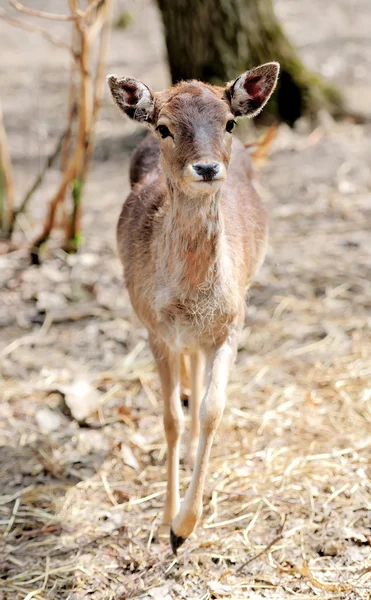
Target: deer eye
{"x": 163, "y": 131}
{"x": 230, "y": 126}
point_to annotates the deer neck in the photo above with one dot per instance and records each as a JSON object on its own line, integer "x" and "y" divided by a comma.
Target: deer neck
{"x": 193, "y": 238}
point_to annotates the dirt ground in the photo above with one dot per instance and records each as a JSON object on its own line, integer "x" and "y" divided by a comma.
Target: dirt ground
{"x": 288, "y": 499}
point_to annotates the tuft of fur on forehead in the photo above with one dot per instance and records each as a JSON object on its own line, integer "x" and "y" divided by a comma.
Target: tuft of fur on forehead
{"x": 188, "y": 95}
{"x": 193, "y": 87}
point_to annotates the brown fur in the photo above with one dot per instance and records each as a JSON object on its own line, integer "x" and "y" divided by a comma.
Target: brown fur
{"x": 146, "y": 235}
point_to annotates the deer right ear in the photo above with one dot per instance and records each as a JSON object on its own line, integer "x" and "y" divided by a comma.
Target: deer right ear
{"x": 250, "y": 92}
{"x": 133, "y": 97}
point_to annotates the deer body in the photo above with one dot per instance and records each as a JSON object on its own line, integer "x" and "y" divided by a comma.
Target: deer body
{"x": 191, "y": 236}
{"x": 187, "y": 267}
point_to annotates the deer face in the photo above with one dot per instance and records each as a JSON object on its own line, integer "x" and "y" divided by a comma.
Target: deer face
{"x": 194, "y": 122}
{"x": 194, "y": 126}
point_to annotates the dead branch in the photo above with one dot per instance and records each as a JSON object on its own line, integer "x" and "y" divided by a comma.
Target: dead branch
{"x": 265, "y": 550}
{"x": 87, "y": 26}
{"x": 68, "y": 176}
{"x": 263, "y": 146}
{"x": 74, "y": 8}
{"x": 97, "y": 25}
{"x": 93, "y": 4}
{"x": 83, "y": 137}
{"x": 90, "y": 102}
{"x": 100, "y": 75}
{"x": 6, "y": 171}
{"x": 39, "y": 13}
{"x": 71, "y": 115}
{"x": 27, "y": 27}
{"x": 39, "y": 179}
{"x": 75, "y": 165}
{"x": 72, "y": 107}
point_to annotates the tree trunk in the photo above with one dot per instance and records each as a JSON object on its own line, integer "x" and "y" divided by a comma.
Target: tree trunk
{"x": 216, "y": 40}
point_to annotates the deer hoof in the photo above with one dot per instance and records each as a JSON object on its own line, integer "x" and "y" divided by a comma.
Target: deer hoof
{"x": 176, "y": 541}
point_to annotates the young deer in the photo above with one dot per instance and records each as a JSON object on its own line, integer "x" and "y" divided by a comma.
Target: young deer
{"x": 191, "y": 236}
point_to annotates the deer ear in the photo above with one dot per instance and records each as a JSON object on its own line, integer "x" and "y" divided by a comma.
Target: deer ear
{"x": 133, "y": 97}
{"x": 249, "y": 93}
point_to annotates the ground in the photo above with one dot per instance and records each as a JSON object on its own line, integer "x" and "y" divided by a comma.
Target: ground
{"x": 288, "y": 498}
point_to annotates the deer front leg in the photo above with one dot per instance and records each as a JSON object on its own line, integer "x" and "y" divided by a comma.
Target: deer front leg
{"x": 218, "y": 366}
{"x": 184, "y": 377}
{"x": 168, "y": 366}
{"x": 197, "y": 383}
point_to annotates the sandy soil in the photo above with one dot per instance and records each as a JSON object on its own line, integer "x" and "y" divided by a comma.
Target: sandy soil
{"x": 80, "y": 503}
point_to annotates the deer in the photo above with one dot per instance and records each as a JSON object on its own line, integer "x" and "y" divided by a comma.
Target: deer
{"x": 192, "y": 234}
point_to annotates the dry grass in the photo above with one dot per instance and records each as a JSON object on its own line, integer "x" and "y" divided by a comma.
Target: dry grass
{"x": 288, "y": 499}
{"x": 288, "y": 502}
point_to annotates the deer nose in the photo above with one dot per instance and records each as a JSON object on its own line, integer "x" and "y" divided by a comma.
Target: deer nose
{"x": 207, "y": 171}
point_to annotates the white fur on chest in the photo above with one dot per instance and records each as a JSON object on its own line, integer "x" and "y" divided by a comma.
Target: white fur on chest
{"x": 190, "y": 316}
{"x": 199, "y": 319}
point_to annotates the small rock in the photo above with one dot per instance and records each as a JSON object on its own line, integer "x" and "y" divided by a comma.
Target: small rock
{"x": 159, "y": 593}
{"x": 50, "y": 301}
{"x": 346, "y": 187}
{"x": 112, "y": 520}
{"x": 220, "y": 589}
{"x": 81, "y": 398}
{"x": 88, "y": 259}
{"x": 331, "y": 548}
{"x": 128, "y": 457}
{"x": 48, "y": 420}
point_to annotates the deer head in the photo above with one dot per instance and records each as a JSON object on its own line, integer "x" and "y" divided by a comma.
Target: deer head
{"x": 194, "y": 122}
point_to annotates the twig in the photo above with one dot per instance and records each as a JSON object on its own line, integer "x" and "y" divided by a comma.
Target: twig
{"x": 68, "y": 176}
{"x": 356, "y": 117}
{"x": 265, "y": 550}
{"x": 75, "y": 167}
{"x": 31, "y": 338}
{"x": 71, "y": 115}
{"x": 263, "y": 146}
{"x": 94, "y": 4}
{"x": 97, "y": 25}
{"x": 72, "y": 107}
{"x": 39, "y": 179}
{"x": 102, "y": 55}
{"x": 60, "y": 552}
{"x": 39, "y": 13}
{"x": 13, "y": 516}
{"x": 17, "y": 23}
{"x": 100, "y": 78}
{"x": 89, "y": 104}
{"x": 74, "y": 8}
{"x": 108, "y": 490}
{"x": 85, "y": 104}
{"x": 6, "y": 174}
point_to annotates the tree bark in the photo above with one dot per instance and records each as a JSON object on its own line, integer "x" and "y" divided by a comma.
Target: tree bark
{"x": 216, "y": 40}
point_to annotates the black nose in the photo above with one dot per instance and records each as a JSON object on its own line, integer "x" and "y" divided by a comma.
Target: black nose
{"x": 207, "y": 171}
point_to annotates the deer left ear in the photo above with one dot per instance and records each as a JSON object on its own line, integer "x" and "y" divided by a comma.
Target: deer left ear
{"x": 249, "y": 93}
{"x": 133, "y": 97}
